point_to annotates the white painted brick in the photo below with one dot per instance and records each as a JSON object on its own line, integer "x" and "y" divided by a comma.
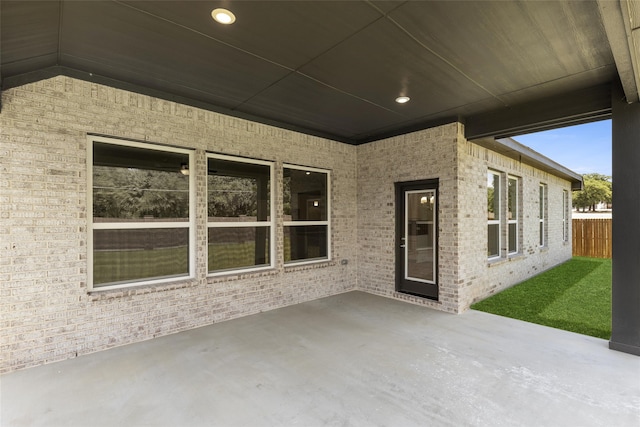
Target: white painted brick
{"x": 44, "y": 127}
{"x": 47, "y": 314}
{"x": 465, "y": 276}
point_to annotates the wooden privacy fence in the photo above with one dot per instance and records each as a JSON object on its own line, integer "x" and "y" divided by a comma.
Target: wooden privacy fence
{"x": 592, "y": 237}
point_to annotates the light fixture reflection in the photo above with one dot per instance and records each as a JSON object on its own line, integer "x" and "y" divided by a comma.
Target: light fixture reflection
{"x": 184, "y": 169}
{"x": 424, "y": 200}
{"x": 402, "y": 99}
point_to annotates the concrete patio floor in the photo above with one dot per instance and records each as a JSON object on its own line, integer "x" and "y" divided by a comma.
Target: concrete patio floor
{"x": 350, "y": 360}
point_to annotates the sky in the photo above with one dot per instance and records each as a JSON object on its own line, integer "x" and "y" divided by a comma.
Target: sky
{"x": 582, "y": 148}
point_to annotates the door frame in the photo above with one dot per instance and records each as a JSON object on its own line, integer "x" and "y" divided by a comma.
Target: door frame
{"x": 400, "y": 189}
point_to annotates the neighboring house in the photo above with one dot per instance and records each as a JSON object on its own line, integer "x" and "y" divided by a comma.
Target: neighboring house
{"x": 122, "y": 220}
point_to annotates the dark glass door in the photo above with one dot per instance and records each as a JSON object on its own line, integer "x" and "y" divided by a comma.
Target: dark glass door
{"x": 417, "y": 238}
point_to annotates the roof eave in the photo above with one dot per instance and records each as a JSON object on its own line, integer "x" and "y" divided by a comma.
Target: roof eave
{"x": 511, "y": 148}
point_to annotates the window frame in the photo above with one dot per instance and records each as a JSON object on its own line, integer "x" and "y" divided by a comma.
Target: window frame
{"x": 565, "y": 215}
{"x": 516, "y": 217}
{"x": 543, "y": 214}
{"x": 92, "y": 226}
{"x": 271, "y": 224}
{"x": 498, "y": 221}
{"x": 301, "y": 223}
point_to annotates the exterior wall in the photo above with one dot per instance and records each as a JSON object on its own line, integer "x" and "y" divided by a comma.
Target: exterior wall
{"x": 47, "y": 313}
{"x": 465, "y": 274}
{"x": 480, "y": 278}
{"x": 427, "y": 154}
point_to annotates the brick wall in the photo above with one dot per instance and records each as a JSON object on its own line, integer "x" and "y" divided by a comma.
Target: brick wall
{"x": 427, "y": 154}
{"x": 478, "y": 277}
{"x": 465, "y": 275}
{"x": 47, "y": 314}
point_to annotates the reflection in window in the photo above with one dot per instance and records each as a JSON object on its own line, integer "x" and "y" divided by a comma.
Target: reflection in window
{"x": 493, "y": 214}
{"x": 420, "y": 236}
{"x": 305, "y": 242}
{"x": 129, "y": 255}
{"x": 566, "y": 206}
{"x": 239, "y": 211}
{"x": 306, "y": 214}
{"x": 141, "y": 228}
{"x": 238, "y": 247}
{"x": 542, "y": 215}
{"x": 513, "y": 213}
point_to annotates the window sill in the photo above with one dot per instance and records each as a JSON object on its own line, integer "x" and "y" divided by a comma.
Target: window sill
{"x": 240, "y": 275}
{"x": 516, "y": 257}
{"x": 309, "y": 265}
{"x": 133, "y": 290}
{"x": 495, "y": 261}
{"x": 510, "y": 258}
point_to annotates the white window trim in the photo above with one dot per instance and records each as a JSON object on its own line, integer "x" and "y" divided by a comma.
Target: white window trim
{"x": 230, "y": 224}
{"x": 543, "y": 216}
{"x": 304, "y": 223}
{"x": 516, "y": 219}
{"x": 498, "y": 221}
{"x": 138, "y": 225}
{"x": 565, "y": 215}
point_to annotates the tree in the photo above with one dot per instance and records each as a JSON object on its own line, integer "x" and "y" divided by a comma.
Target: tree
{"x": 232, "y": 196}
{"x": 130, "y": 193}
{"x": 597, "y": 188}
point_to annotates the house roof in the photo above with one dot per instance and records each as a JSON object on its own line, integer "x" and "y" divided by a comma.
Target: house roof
{"x": 513, "y": 149}
{"x": 335, "y": 68}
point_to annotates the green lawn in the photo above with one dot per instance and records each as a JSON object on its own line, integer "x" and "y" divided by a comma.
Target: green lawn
{"x": 575, "y": 296}
{"x": 232, "y": 255}
{"x": 120, "y": 266}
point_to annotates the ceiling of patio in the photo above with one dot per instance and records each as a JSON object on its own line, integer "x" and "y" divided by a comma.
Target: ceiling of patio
{"x": 335, "y": 68}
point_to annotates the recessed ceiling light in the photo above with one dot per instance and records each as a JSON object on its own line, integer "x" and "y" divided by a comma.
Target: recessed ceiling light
{"x": 402, "y": 99}
{"x": 223, "y": 16}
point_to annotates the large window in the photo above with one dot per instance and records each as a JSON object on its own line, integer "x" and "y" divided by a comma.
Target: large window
{"x": 494, "y": 206}
{"x": 240, "y": 217}
{"x": 513, "y": 214}
{"x": 306, "y": 214}
{"x": 142, "y": 214}
{"x": 542, "y": 215}
{"x": 503, "y": 214}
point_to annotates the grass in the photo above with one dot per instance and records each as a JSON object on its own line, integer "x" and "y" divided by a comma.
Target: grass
{"x": 117, "y": 266}
{"x": 575, "y": 296}
{"x": 224, "y": 256}
{"x": 121, "y": 266}
{"x": 113, "y": 266}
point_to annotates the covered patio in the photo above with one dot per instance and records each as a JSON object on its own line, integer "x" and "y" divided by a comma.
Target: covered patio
{"x": 351, "y": 359}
